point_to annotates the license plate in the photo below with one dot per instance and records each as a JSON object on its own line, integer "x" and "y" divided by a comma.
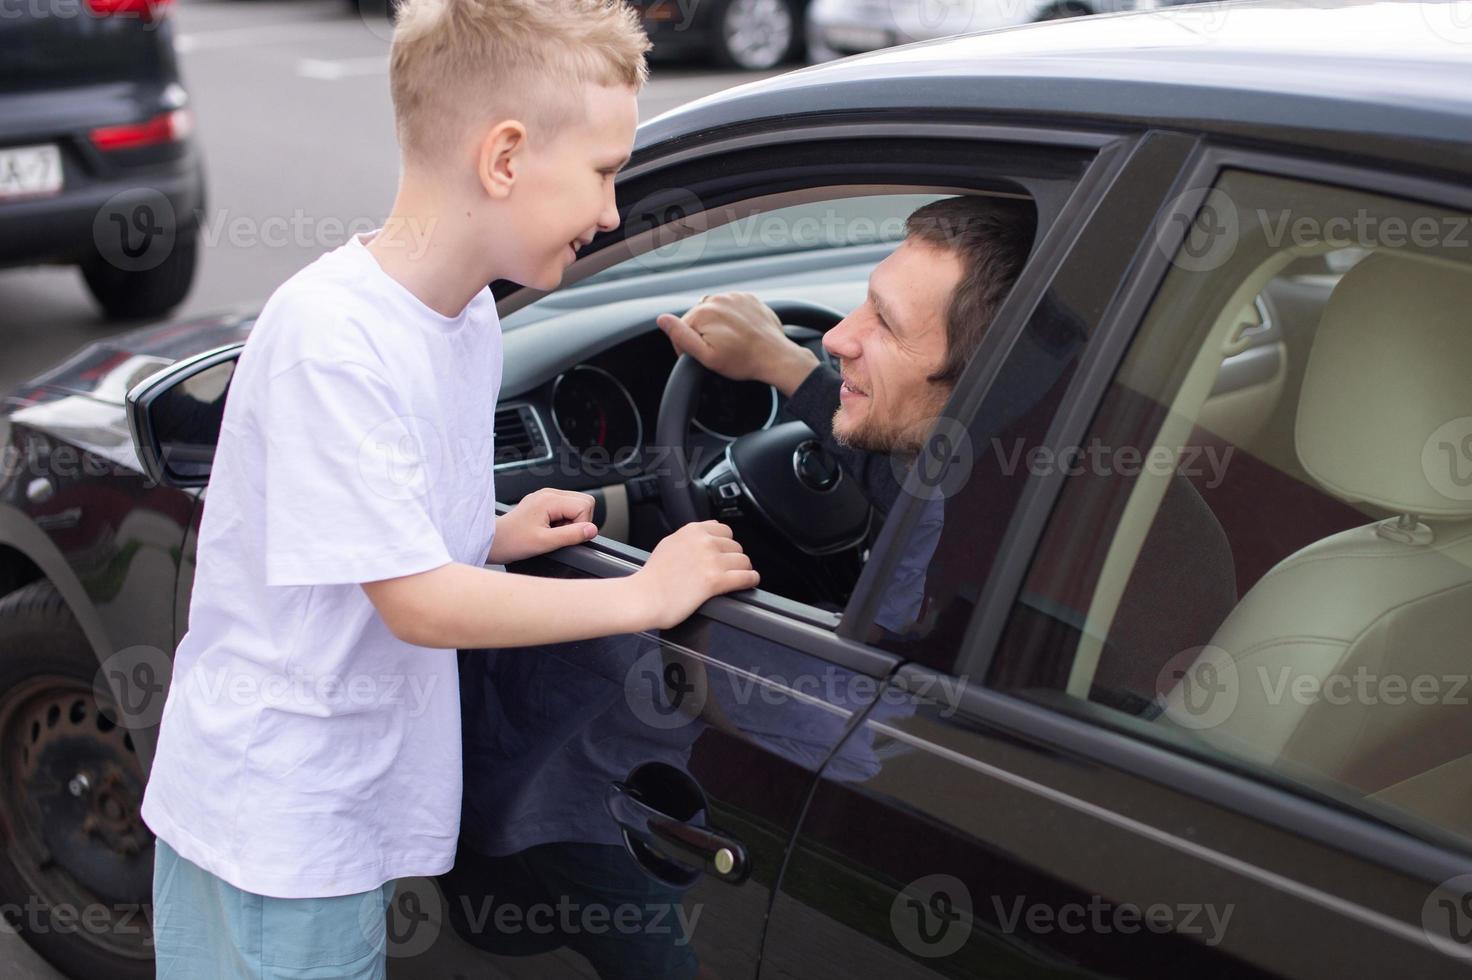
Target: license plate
{"x": 27, "y": 171}
{"x": 842, "y": 37}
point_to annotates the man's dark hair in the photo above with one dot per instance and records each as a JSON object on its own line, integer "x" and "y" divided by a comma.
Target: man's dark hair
{"x": 993, "y": 236}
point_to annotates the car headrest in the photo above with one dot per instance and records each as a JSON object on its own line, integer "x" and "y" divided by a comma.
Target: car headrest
{"x": 1388, "y": 378}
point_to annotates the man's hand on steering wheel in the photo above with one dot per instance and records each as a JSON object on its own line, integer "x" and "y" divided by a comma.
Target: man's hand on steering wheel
{"x": 777, "y": 481}
{"x": 738, "y": 336}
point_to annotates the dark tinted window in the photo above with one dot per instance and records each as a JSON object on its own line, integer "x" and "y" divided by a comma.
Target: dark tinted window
{"x": 1262, "y": 551}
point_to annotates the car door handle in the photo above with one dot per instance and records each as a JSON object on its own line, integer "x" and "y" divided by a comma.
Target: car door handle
{"x": 677, "y": 840}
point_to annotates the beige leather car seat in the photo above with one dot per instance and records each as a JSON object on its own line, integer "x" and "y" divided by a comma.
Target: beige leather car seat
{"x": 1347, "y": 653}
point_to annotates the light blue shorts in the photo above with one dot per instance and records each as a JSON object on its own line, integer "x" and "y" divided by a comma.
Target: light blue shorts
{"x": 204, "y": 928}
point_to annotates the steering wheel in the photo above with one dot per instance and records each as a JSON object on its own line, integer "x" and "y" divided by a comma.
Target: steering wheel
{"x": 782, "y": 477}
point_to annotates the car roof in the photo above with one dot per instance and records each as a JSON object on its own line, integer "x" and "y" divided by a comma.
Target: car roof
{"x": 1375, "y": 78}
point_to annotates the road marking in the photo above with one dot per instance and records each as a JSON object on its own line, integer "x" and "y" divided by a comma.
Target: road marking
{"x": 331, "y": 71}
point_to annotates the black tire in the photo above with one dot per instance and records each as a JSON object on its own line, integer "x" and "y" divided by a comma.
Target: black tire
{"x": 729, "y": 56}
{"x": 125, "y": 295}
{"x": 50, "y": 722}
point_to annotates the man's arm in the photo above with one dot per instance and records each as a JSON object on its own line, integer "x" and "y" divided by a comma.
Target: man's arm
{"x": 738, "y": 336}
{"x": 460, "y": 606}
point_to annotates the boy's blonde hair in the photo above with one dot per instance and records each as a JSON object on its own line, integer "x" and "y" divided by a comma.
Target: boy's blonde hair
{"x": 458, "y": 63}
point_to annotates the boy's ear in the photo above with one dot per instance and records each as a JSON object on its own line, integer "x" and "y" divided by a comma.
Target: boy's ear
{"x": 501, "y": 155}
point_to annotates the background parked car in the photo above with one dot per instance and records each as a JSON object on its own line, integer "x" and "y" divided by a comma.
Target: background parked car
{"x": 97, "y": 168}
{"x": 841, "y": 27}
{"x": 752, "y": 34}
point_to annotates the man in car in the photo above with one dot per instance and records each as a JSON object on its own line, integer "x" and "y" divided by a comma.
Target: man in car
{"x": 900, "y": 353}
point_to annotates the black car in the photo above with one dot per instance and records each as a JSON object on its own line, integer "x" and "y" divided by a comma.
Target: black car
{"x": 97, "y": 166}
{"x": 1181, "y": 687}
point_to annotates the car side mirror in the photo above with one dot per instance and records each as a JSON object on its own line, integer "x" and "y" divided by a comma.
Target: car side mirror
{"x": 175, "y": 415}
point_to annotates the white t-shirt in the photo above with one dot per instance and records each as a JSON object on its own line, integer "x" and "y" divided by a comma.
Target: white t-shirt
{"x": 305, "y": 751}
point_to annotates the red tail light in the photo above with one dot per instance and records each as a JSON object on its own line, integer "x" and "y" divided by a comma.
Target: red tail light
{"x": 147, "y": 9}
{"x": 166, "y": 128}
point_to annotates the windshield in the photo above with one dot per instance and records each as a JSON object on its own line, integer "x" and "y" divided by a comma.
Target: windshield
{"x": 819, "y": 225}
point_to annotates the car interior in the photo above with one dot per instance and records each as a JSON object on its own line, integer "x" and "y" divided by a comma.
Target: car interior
{"x": 1291, "y": 593}
{"x": 605, "y": 408}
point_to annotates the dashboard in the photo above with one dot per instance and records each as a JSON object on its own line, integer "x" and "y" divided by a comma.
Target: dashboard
{"x": 593, "y": 411}
{"x": 585, "y": 370}
{"x": 593, "y": 423}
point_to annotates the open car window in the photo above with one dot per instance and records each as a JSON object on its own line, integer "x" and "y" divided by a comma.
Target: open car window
{"x": 800, "y": 225}
{"x": 830, "y": 224}
{"x": 818, "y": 241}
{"x": 814, "y": 252}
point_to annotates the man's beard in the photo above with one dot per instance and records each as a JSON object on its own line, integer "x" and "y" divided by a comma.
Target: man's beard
{"x": 877, "y": 435}
{"x": 870, "y": 435}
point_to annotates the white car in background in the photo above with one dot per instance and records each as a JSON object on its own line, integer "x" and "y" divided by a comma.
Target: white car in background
{"x": 836, "y": 28}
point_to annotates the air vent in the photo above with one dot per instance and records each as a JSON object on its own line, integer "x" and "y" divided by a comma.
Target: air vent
{"x": 520, "y": 437}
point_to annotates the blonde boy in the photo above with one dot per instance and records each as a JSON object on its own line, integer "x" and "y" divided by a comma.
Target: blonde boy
{"x": 310, "y": 746}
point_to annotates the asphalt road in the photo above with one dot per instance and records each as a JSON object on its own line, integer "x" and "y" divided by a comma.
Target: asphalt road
{"x": 292, "y": 110}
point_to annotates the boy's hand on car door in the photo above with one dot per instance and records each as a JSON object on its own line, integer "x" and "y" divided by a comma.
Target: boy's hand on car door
{"x": 543, "y": 521}
{"x": 698, "y": 561}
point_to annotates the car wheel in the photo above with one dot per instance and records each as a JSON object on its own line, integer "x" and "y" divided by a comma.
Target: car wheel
{"x": 132, "y": 295}
{"x": 76, "y": 872}
{"x": 755, "y": 34}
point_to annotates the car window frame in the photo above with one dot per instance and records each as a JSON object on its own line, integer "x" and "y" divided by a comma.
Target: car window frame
{"x": 837, "y": 636}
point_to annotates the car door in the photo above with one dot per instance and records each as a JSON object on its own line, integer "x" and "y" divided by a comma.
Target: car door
{"x": 629, "y": 801}
{"x": 1082, "y": 766}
